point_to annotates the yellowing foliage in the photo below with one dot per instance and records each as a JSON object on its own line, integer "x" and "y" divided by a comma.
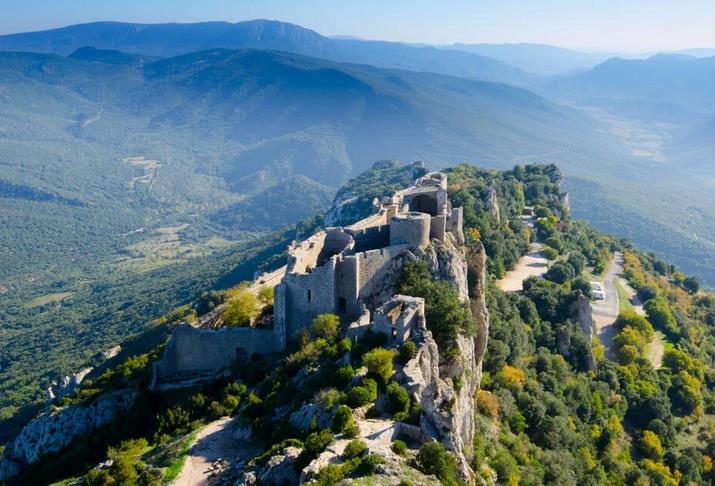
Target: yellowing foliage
{"x": 487, "y": 404}
{"x": 511, "y": 376}
{"x": 651, "y": 446}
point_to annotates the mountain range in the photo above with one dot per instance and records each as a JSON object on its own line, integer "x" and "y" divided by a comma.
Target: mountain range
{"x": 166, "y": 40}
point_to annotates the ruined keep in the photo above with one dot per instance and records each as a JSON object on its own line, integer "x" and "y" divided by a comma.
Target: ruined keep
{"x": 341, "y": 271}
{"x": 337, "y": 270}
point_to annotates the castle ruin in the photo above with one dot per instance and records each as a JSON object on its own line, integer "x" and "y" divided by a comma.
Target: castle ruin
{"x": 344, "y": 271}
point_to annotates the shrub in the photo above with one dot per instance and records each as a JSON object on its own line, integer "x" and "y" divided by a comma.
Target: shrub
{"x": 510, "y": 376}
{"x": 398, "y": 401}
{"x": 555, "y": 243}
{"x": 266, "y": 295}
{"x": 343, "y": 375}
{"x": 241, "y": 309}
{"x": 580, "y": 283}
{"x": 407, "y": 351}
{"x": 355, "y": 448}
{"x": 378, "y": 361}
{"x": 399, "y": 447}
{"x": 432, "y": 458}
{"x": 651, "y": 446}
{"x": 351, "y": 431}
{"x": 550, "y": 253}
{"x": 343, "y": 418}
{"x": 369, "y": 464}
{"x": 325, "y": 326}
{"x": 577, "y": 262}
{"x": 630, "y": 318}
{"x": 328, "y": 398}
{"x": 447, "y": 316}
{"x": 487, "y": 404}
{"x": 560, "y": 272}
{"x": 344, "y": 346}
{"x": 661, "y": 315}
{"x": 362, "y": 394}
{"x": 314, "y": 444}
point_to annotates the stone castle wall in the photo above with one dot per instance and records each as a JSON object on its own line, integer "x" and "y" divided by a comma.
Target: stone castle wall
{"x": 192, "y": 352}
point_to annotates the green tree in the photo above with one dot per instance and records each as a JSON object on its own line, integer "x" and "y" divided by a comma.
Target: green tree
{"x": 241, "y": 309}
{"x": 636, "y": 321}
{"x": 325, "y": 325}
{"x": 342, "y": 419}
{"x": 398, "y": 401}
{"x": 378, "y": 361}
{"x": 432, "y": 458}
{"x": 661, "y": 315}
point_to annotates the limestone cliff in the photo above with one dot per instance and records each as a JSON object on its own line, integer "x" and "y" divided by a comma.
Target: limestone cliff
{"x": 446, "y": 388}
{"x": 52, "y": 431}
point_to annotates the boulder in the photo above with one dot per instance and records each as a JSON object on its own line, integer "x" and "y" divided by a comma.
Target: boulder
{"x": 310, "y": 414}
{"x": 280, "y": 469}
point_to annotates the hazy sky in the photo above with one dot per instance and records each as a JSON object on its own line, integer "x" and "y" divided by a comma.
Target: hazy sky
{"x": 623, "y": 25}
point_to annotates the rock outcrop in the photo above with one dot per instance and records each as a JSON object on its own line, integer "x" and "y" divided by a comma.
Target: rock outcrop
{"x": 280, "y": 469}
{"x": 67, "y": 385}
{"x": 310, "y": 414}
{"x": 582, "y": 313}
{"x": 492, "y": 204}
{"x": 52, "y": 431}
{"x": 446, "y": 395}
{"x": 477, "y": 278}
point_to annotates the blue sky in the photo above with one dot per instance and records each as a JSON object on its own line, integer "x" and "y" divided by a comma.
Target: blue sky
{"x": 622, "y": 25}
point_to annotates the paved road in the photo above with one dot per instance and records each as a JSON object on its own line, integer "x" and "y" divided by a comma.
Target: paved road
{"x": 605, "y": 312}
{"x": 531, "y": 264}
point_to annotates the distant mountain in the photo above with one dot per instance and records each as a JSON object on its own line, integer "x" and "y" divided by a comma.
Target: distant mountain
{"x": 665, "y": 87}
{"x": 537, "y": 58}
{"x": 697, "y": 52}
{"x": 109, "y": 56}
{"x": 165, "y": 40}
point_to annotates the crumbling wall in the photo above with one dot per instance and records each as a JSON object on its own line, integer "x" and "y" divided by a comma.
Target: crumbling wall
{"x": 308, "y": 295}
{"x": 371, "y": 238}
{"x": 192, "y": 352}
{"x": 378, "y": 270}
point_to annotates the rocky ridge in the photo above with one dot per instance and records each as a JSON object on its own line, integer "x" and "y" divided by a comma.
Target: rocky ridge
{"x": 53, "y": 430}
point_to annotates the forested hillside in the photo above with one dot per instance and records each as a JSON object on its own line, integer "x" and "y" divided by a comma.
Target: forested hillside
{"x": 554, "y": 406}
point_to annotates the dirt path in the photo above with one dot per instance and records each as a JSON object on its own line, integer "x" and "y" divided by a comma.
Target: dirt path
{"x": 214, "y": 445}
{"x": 531, "y": 264}
{"x": 605, "y": 312}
